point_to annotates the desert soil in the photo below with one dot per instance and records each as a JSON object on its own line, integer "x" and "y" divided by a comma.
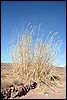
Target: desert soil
{"x": 35, "y": 93}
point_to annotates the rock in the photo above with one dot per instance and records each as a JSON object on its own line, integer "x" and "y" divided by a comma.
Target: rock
{"x": 27, "y": 87}
{"x": 33, "y": 84}
{"x": 17, "y": 90}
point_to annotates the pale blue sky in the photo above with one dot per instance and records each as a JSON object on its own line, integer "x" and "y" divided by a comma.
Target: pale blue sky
{"x": 17, "y": 14}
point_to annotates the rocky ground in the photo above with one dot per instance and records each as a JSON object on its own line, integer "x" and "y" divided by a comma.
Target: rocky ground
{"x": 35, "y": 93}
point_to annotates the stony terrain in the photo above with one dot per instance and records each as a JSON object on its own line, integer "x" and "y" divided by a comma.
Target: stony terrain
{"x": 35, "y": 93}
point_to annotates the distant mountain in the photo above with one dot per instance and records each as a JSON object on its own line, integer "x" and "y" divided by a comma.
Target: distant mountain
{"x": 5, "y": 65}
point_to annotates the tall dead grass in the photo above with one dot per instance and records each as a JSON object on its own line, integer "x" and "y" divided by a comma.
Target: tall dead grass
{"x": 35, "y": 59}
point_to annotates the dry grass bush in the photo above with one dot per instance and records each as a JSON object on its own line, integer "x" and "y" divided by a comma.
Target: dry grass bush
{"x": 35, "y": 59}
{"x": 4, "y": 73}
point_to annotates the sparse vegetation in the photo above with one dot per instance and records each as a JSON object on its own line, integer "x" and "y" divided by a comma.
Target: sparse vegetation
{"x": 35, "y": 59}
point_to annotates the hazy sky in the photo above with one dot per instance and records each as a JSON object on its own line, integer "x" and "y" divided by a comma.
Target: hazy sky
{"x": 17, "y": 14}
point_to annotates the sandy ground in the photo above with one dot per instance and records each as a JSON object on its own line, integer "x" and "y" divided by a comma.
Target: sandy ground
{"x": 36, "y": 94}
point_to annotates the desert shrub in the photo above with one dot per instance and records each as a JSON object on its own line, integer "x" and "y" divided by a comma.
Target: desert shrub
{"x": 4, "y": 73}
{"x": 34, "y": 58}
{"x": 16, "y": 82}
